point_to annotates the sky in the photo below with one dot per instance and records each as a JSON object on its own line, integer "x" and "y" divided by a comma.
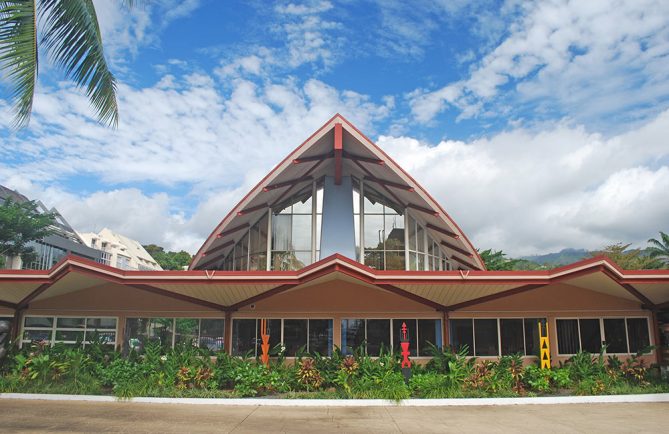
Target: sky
{"x": 538, "y": 125}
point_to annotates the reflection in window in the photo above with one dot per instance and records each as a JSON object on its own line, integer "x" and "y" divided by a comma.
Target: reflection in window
{"x": 383, "y": 232}
{"x": 310, "y": 335}
{"x": 69, "y": 330}
{"x": 203, "y": 333}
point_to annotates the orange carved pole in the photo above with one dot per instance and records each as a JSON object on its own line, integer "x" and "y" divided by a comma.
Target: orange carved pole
{"x": 264, "y": 358}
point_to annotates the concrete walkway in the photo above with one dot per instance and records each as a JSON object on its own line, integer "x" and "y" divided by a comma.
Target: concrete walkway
{"x": 58, "y": 416}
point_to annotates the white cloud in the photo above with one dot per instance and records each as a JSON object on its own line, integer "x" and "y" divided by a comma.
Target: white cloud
{"x": 587, "y": 59}
{"x": 532, "y": 192}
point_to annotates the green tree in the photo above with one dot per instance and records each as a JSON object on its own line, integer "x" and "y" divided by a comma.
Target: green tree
{"x": 169, "y": 260}
{"x": 21, "y": 223}
{"x": 659, "y": 249}
{"x": 632, "y": 259}
{"x": 497, "y": 260}
{"x": 70, "y": 34}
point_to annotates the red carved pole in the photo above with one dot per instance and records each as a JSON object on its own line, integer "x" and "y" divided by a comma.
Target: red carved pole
{"x": 404, "y": 343}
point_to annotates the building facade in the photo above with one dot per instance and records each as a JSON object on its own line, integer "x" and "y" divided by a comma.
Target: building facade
{"x": 120, "y": 251}
{"x": 338, "y": 247}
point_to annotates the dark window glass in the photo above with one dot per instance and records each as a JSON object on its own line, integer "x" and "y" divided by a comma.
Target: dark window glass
{"x": 567, "y": 334}
{"x": 243, "y": 336}
{"x": 104, "y": 337}
{"x": 591, "y": 337}
{"x": 38, "y": 321}
{"x": 395, "y": 261}
{"x": 616, "y": 337}
{"x": 294, "y": 335}
{"x": 212, "y": 334}
{"x": 69, "y": 335}
{"x": 485, "y": 337}
{"x": 320, "y": 336}
{"x": 532, "y": 336}
{"x": 462, "y": 334}
{"x": 160, "y": 330}
{"x": 411, "y": 332}
{"x": 378, "y": 336}
{"x": 71, "y": 323}
{"x": 136, "y": 333}
{"x": 186, "y": 331}
{"x": 374, "y": 259}
{"x": 637, "y": 330}
{"x": 274, "y": 330}
{"x": 37, "y": 335}
{"x": 352, "y": 334}
{"x": 101, "y": 323}
{"x": 511, "y": 333}
{"x": 429, "y": 330}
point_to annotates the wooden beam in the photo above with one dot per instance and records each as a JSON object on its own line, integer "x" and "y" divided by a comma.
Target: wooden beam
{"x": 319, "y": 157}
{"x": 16, "y": 324}
{"x": 253, "y": 209}
{"x": 463, "y": 262}
{"x": 214, "y": 259}
{"x": 386, "y": 188}
{"x": 217, "y": 248}
{"x": 232, "y": 230}
{"x": 656, "y": 337}
{"x": 390, "y": 183}
{"x": 180, "y": 297}
{"x": 422, "y": 209}
{"x": 661, "y": 306}
{"x": 491, "y": 297}
{"x": 264, "y": 295}
{"x": 362, "y": 159}
{"x": 457, "y": 249}
{"x": 442, "y": 231}
{"x": 338, "y": 150}
{"x": 639, "y": 296}
{"x": 8, "y": 304}
{"x": 289, "y": 183}
{"x": 227, "y": 333}
{"x": 412, "y": 296}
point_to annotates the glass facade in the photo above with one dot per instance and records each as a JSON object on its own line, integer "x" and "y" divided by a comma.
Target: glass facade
{"x": 69, "y": 330}
{"x": 491, "y": 337}
{"x": 619, "y": 335}
{"x": 376, "y": 335}
{"x": 297, "y": 335}
{"x": 201, "y": 332}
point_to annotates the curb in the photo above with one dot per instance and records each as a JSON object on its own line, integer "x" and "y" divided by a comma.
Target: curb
{"x": 262, "y": 402}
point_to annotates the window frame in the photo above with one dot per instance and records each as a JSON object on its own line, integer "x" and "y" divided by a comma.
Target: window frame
{"x": 174, "y": 324}
{"x": 54, "y": 328}
{"x": 602, "y": 332}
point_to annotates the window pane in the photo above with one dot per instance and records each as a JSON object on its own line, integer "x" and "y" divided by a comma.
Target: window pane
{"x": 511, "y": 333}
{"x": 637, "y": 330}
{"x": 462, "y": 334}
{"x": 412, "y": 233}
{"x": 300, "y": 207}
{"x": 356, "y": 200}
{"x": 38, "y": 321}
{"x": 591, "y": 338}
{"x": 378, "y": 336}
{"x": 104, "y": 337}
{"x": 71, "y": 323}
{"x": 429, "y": 330}
{"x": 301, "y": 232}
{"x": 485, "y": 337}
{"x": 281, "y": 225}
{"x": 394, "y": 232}
{"x": 532, "y": 336}
{"x": 68, "y": 335}
{"x": 567, "y": 334}
{"x": 370, "y": 207}
{"x": 411, "y": 332}
{"x": 243, "y": 337}
{"x": 420, "y": 240}
{"x": 290, "y": 260}
{"x": 258, "y": 262}
{"x": 274, "y": 330}
{"x": 320, "y": 336}
{"x": 614, "y": 332}
{"x": 395, "y": 261}
{"x": 101, "y": 323}
{"x": 374, "y": 260}
{"x": 160, "y": 330}
{"x": 294, "y": 335}
{"x": 212, "y": 334}
{"x": 352, "y": 334}
{"x": 374, "y": 232}
{"x": 136, "y": 333}
{"x": 186, "y": 331}
{"x": 37, "y": 335}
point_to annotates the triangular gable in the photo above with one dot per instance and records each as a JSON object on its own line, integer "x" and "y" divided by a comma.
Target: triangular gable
{"x": 318, "y": 156}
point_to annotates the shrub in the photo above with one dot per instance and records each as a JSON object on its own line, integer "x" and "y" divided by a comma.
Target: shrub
{"x": 308, "y": 375}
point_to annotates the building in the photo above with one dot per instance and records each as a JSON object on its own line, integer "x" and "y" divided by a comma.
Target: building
{"x": 120, "y": 251}
{"x": 49, "y": 250}
{"x": 338, "y": 246}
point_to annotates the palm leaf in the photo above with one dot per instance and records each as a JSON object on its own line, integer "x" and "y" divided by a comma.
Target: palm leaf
{"x": 18, "y": 54}
{"x": 72, "y": 37}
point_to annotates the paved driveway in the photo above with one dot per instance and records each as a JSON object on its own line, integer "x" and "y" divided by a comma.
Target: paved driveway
{"x": 40, "y": 416}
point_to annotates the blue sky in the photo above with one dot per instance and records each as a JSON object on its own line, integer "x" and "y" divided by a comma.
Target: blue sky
{"x": 538, "y": 125}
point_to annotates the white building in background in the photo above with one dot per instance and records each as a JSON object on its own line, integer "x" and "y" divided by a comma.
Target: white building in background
{"x": 120, "y": 251}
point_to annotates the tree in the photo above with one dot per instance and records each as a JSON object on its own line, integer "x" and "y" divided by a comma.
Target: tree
{"x": 660, "y": 249}
{"x": 633, "y": 259}
{"x": 71, "y": 36}
{"x": 169, "y": 260}
{"x": 21, "y": 223}
{"x": 497, "y": 260}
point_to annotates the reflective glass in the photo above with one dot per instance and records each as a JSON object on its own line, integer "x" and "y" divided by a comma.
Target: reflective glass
{"x": 485, "y": 337}
{"x": 301, "y": 236}
{"x": 274, "y": 331}
{"x": 302, "y": 207}
{"x": 567, "y": 334}
{"x": 160, "y": 330}
{"x": 294, "y": 335}
{"x": 462, "y": 334}
{"x": 616, "y": 337}
{"x": 394, "y": 232}
{"x": 136, "y": 333}
{"x": 320, "y": 336}
{"x": 186, "y": 331}
{"x": 281, "y": 226}
{"x": 243, "y": 337}
{"x": 429, "y": 332}
{"x": 637, "y": 331}
{"x": 70, "y": 335}
{"x": 374, "y": 233}
{"x": 38, "y": 321}
{"x": 378, "y": 336}
{"x": 591, "y": 338}
{"x": 78, "y": 323}
{"x": 511, "y": 334}
{"x": 212, "y": 334}
{"x": 411, "y": 331}
{"x": 372, "y": 207}
{"x": 101, "y": 323}
{"x": 532, "y": 336}
{"x": 395, "y": 261}
{"x": 352, "y": 334}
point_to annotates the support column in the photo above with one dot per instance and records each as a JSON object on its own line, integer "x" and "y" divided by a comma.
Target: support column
{"x": 657, "y": 338}
{"x": 16, "y": 323}
{"x": 446, "y": 336}
{"x": 227, "y": 340}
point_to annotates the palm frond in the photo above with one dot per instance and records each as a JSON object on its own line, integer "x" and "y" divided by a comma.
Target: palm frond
{"x": 18, "y": 54}
{"x": 72, "y": 37}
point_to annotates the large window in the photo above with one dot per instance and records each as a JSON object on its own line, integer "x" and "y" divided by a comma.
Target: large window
{"x": 383, "y": 232}
{"x": 483, "y": 337}
{"x": 311, "y": 335}
{"x": 69, "y": 330}
{"x": 378, "y": 333}
{"x": 46, "y": 256}
{"x": 204, "y": 332}
{"x": 621, "y": 335}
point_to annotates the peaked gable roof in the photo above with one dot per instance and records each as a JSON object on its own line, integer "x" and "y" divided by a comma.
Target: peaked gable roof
{"x": 320, "y": 155}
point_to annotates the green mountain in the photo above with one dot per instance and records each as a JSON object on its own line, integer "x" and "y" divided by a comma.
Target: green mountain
{"x": 563, "y": 257}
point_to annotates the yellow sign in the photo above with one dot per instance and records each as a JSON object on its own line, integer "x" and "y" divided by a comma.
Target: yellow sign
{"x": 544, "y": 346}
